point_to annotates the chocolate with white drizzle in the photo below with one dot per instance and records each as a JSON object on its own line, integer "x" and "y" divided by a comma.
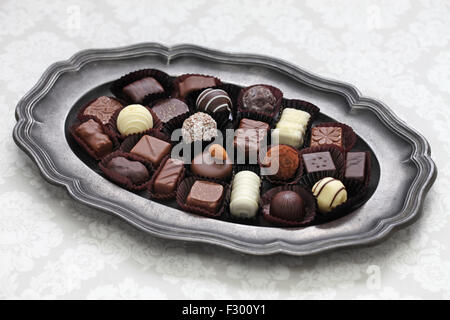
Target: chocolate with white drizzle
{"x": 329, "y": 193}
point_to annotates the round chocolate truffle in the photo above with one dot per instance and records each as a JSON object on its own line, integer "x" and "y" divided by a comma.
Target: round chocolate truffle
{"x": 134, "y": 119}
{"x": 200, "y": 126}
{"x": 259, "y": 98}
{"x": 283, "y": 161}
{"x": 329, "y": 193}
{"x": 287, "y": 205}
{"x": 213, "y": 100}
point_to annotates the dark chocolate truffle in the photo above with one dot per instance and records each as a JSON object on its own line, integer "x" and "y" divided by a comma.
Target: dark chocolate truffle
{"x": 133, "y": 170}
{"x": 286, "y": 158}
{"x": 258, "y": 98}
{"x": 93, "y": 135}
{"x": 168, "y": 109}
{"x": 138, "y": 90}
{"x": 287, "y": 205}
{"x": 103, "y": 108}
{"x": 213, "y": 100}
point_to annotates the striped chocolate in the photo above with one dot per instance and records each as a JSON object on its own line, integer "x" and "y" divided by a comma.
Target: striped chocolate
{"x": 329, "y": 193}
{"x": 213, "y": 100}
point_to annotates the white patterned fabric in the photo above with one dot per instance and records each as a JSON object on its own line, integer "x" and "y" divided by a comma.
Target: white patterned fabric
{"x": 54, "y": 247}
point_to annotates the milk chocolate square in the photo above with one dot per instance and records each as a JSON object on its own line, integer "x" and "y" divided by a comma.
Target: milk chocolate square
{"x": 321, "y": 136}
{"x": 206, "y": 195}
{"x": 152, "y": 149}
{"x": 318, "y": 161}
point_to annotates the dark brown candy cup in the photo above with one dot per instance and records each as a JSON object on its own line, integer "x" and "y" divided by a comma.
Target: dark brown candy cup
{"x": 160, "y": 76}
{"x": 157, "y": 125}
{"x": 82, "y": 117}
{"x": 248, "y": 114}
{"x": 348, "y": 135}
{"x": 181, "y": 78}
{"x": 307, "y": 196}
{"x": 233, "y": 91}
{"x": 151, "y": 185}
{"x": 121, "y": 180}
{"x": 294, "y": 180}
{"x": 183, "y": 191}
{"x": 84, "y": 145}
{"x": 338, "y": 159}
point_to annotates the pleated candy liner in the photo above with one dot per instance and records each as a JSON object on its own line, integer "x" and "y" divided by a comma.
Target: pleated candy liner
{"x": 185, "y": 187}
{"x": 221, "y": 118}
{"x": 160, "y": 76}
{"x": 356, "y": 194}
{"x": 175, "y": 123}
{"x": 151, "y": 186}
{"x": 121, "y": 180}
{"x": 233, "y": 91}
{"x": 130, "y": 141}
{"x": 338, "y": 159}
{"x": 306, "y": 195}
{"x": 294, "y": 180}
{"x": 367, "y": 170}
{"x": 181, "y": 78}
{"x": 247, "y": 114}
{"x": 349, "y": 136}
{"x": 301, "y": 105}
{"x": 157, "y": 125}
{"x": 82, "y": 117}
{"x": 84, "y": 145}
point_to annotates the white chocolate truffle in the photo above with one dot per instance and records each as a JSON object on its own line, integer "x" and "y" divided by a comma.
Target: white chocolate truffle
{"x": 329, "y": 193}
{"x": 244, "y": 201}
{"x": 291, "y": 128}
{"x": 134, "y": 118}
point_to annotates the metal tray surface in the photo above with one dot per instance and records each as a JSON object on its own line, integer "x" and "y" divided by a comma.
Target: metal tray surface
{"x": 403, "y": 170}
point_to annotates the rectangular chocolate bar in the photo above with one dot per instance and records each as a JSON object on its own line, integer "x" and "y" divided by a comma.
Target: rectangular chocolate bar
{"x": 355, "y": 166}
{"x": 167, "y": 178}
{"x": 139, "y": 89}
{"x": 318, "y": 161}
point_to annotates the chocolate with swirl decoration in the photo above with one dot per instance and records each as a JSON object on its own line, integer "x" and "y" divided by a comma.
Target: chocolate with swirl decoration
{"x": 329, "y": 193}
{"x": 213, "y": 100}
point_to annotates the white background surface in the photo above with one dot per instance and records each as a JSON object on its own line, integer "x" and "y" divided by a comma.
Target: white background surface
{"x": 53, "y": 247}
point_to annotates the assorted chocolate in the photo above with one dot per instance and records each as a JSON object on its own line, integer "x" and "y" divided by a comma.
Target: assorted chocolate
{"x": 322, "y": 178}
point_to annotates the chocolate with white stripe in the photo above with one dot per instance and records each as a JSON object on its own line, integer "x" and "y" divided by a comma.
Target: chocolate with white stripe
{"x": 213, "y": 100}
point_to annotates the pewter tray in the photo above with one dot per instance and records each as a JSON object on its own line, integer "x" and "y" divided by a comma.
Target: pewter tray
{"x": 402, "y": 170}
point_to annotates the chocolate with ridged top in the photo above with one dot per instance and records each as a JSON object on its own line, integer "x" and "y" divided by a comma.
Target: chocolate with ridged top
{"x": 167, "y": 178}
{"x": 151, "y": 149}
{"x": 287, "y": 205}
{"x": 92, "y": 134}
{"x": 138, "y": 90}
{"x": 206, "y": 195}
{"x": 135, "y": 171}
{"x": 168, "y": 109}
{"x": 102, "y": 108}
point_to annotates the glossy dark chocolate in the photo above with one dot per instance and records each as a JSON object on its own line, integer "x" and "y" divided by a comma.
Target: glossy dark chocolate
{"x": 205, "y": 165}
{"x": 139, "y": 89}
{"x": 214, "y": 100}
{"x": 287, "y": 205}
{"x": 206, "y": 195}
{"x": 249, "y": 135}
{"x": 355, "y": 166}
{"x": 168, "y": 109}
{"x": 133, "y": 170}
{"x": 318, "y": 161}
{"x": 102, "y": 108}
{"x": 93, "y": 135}
{"x": 321, "y": 136}
{"x": 152, "y": 149}
{"x": 258, "y": 98}
{"x": 194, "y": 83}
{"x": 167, "y": 178}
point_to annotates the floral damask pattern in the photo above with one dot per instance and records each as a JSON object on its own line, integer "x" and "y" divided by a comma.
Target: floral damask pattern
{"x": 53, "y": 247}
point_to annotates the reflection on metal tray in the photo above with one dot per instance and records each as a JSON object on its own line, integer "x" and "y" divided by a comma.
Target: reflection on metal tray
{"x": 45, "y": 112}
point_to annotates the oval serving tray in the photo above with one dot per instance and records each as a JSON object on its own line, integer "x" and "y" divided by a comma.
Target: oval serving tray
{"x": 405, "y": 170}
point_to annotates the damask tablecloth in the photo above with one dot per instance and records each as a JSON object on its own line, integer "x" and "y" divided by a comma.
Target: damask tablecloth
{"x": 53, "y": 247}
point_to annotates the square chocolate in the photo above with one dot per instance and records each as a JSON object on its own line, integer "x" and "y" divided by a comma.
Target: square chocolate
{"x": 318, "y": 161}
{"x": 206, "y": 195}
{"x": 321, "y": 136}
{"x": 138, "y": 90}
{"x": 103, "y": 108}
{"x": 152, "y": 149}
{"x": 249, "y": 135}
{"x": 355, "y": 165}
{"x": 168, "y": 109}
